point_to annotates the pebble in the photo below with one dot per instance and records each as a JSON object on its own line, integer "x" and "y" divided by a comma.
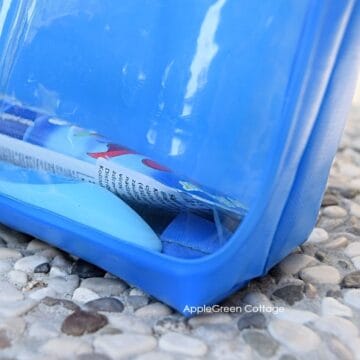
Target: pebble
{"x": 252, "y": 320}
{"x": 84, "y": 295}
{"x": 17, "y": 278}
{"x": 156, "y": 355}
{"x": 334, "y": 212}
{"x": 296, "y": 337}
{"x": 337, "y": 326}
{"x": 68, "y": 347}
{"x": 104, "y": 286}
{"x": 355, "y": 210}
{"x": 263, "y": 344}
{"x": 107, "y": 304}
{"x": 124, "y": 346}
{"x": 331, "y": 306}
{"x": 317, "y": 236}
{"x": 43, "y": 268}
{"x": 83, "y": 322}
{"x": 356, "y": 262}
{"x": 322, "y": 274}
{"x": 290, "y": 293}
{"x": 339, "y": 350}
{"x": 296, "y": 316}
{"x": 129, "y": 324}
{"x": 170, "y": 323}
{"x": 329, "y": 200}
{"x": 337, "y": 243}
{"x": 29, "y": 263}
{"x": 182, "y": 344}
{"x": 35, "y": 245}
{"x": 351, "y": 280}
{"x": 6, "y": 253}
{"x": 153, "y": 310}
{"x": 42, "y": 293}
{"x": 293, "y": 263}
{"x": 67, "y": 304}
{"x": 9, "y": 293}
{"x": 353, "y": 249}
{"x": 137, "y": 301}
{"x": 86, "y": 270}
{"x": 310, "y": 291}
{"x": 352, "y": 298}
{"x": 65, "y": 286}
{"x": 57, "y": 272}
{"x": 12, "y": 237}
{"x": 255, "y": 298}
{"x": 16, "y": 308}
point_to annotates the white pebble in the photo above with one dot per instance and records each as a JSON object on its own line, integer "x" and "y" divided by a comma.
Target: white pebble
{"x": 210, "y": 319}
{"x": 293, "y": 263}
{"x": 334, "y": 212}
{"x": 153, "y": 310}
{"x": 356, "y": 262}
{"x": 353, "y": 249}
{"x": 29, "y": 263}
{"x": 43, "y": 330}
{"x": 296, "y": 337}
{"x": 68, "y": 347}
{"x": 64, "y": 286}
{"x": 182, "y": 344}
{"x": 322, "y": 274}
{"x": 84, "y": 295}
{"x": 257, "y": 299}
{"x": 317, "y": 236}
{"x": 42, "y": 293}
{"x": 355, "y": 210}
{"x": 56, "y": 271}
{"x": 130, "y": 324}
{"x": 331, "y": 306}
{"x": 6, "y": 253}
{"x": 124, "y": 346}
{"x": 338, "y": 326}
{"x": 17, "y": 278}
{"x": 155, "y": 355}
{"x": 16, "y": 308}
{"x": 337, "y": 243}
{"x": 9, "y": 293}
{"x": 352, "y": 298}
{"x": 5, "y": 266}
{"x": 297, "y": 316}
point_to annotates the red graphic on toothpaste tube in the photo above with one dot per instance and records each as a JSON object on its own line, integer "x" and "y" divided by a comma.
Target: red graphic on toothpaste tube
{"x": 112, "y": 151}
{"x": 154, "y": 165}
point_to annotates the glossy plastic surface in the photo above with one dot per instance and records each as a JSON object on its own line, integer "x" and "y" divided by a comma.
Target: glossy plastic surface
{"x": 246, "y": 97}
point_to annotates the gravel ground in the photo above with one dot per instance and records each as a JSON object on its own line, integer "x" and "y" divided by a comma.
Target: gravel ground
{"x": 54, "y": 306}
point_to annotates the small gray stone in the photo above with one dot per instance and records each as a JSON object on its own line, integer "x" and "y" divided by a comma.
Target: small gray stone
{"x": 182, "y": 344}
{"x": 83, "y": 322}
{"x": 67, "y": 304}
{"x": 263, "y": 344}
{"x": 322, "y": 274}
{"x": 206, "y": 319}
{"x": 153, "y": 310}
{"x": 107, "y": 304}
{"x": 29, "y": 263}
{"x": 64, "y": 286}
{"x": 337, "y": 243}
{"x": 256, "y": 298}
{"x": 290, "y": 293}
{"x": 16, "y": 308}
{"x": 170, "y": 323}
{"x": 334, "y": 212}
{"x": 355, "y": 210}
{"x": 129, "y": 324}
{"x": 351, "y": 280}
{"x": 329, "y": 200}
{"x": 92, "y": 356}
{"x": 137, "y": 301}
{"x": 297, "y": 316}
{"x": 36, "y": 245}
{"x": 296, "y": 262}
{"x": 252, "y": 320}
{"x": 43, "y": 268}
{"x": 104, "y": 286}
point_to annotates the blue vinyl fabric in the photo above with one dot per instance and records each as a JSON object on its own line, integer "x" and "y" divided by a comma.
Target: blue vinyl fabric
{"x": 247, "y": 97}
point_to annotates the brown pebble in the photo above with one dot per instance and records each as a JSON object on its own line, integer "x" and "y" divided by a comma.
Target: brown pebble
{"x": 83, "y": 322}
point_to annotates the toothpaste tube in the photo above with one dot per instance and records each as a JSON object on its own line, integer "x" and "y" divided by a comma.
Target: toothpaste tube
{"x": 35, "y": 140}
